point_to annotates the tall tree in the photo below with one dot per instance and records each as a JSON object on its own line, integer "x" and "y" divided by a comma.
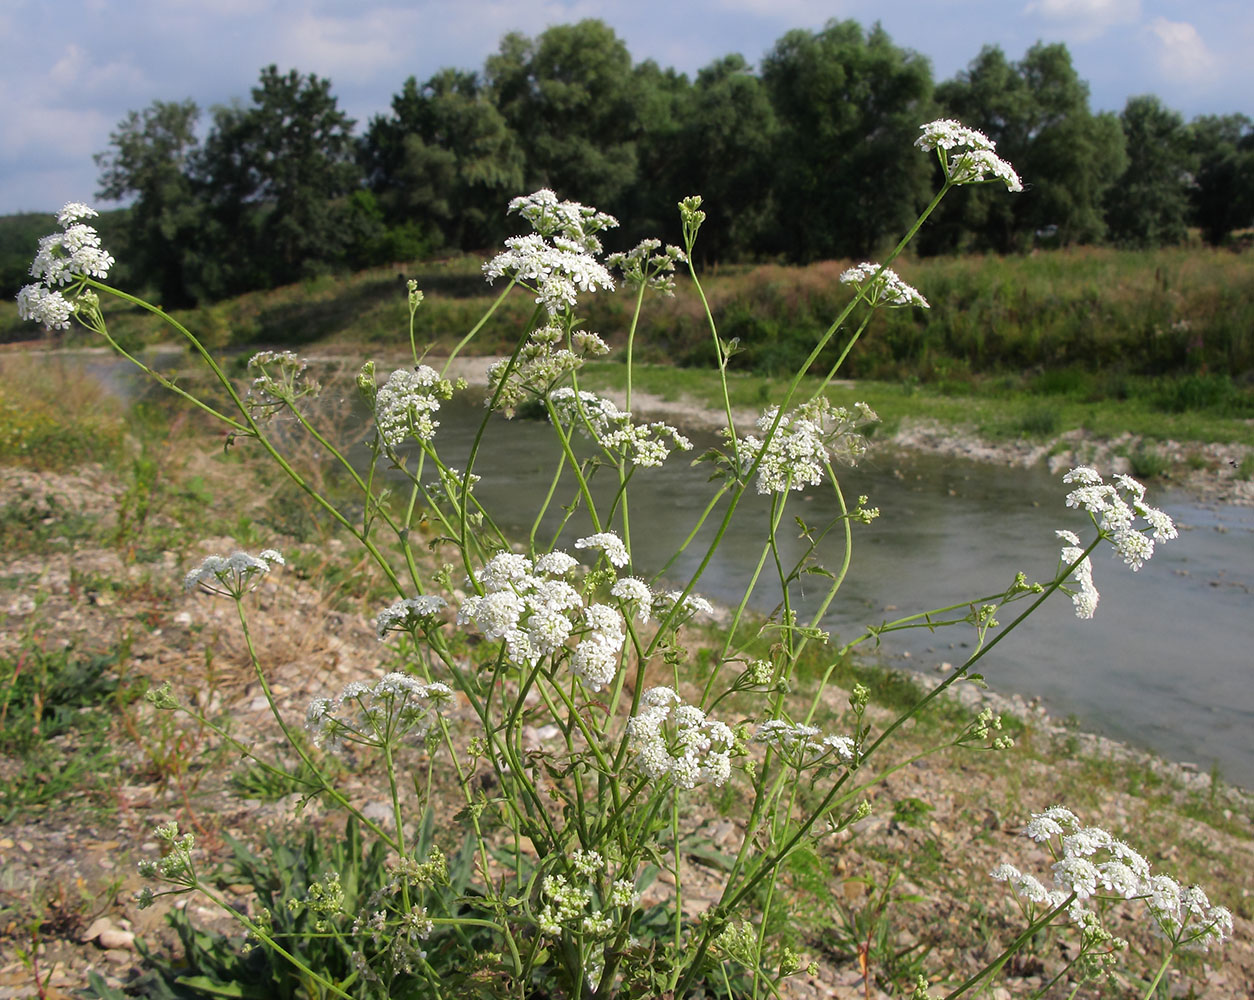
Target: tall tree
{"x": 570, "y": 97}
{"x": 444, "y": 161}
{"x": 1149, "y": 206}
{"x": 1037, "y": 111}
{"x": 148, "y": 159}
{"x": 277, "y": 176}
{"x": 1223, "y": 191}
{"x": 647, "y": 208}
{"x": 848, "y": 104}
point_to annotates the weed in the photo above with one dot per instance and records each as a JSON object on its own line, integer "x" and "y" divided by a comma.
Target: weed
{"x": 1149, "y": 463}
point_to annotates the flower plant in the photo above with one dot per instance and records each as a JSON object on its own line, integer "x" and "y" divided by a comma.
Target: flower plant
{"x": 575, "y": 858}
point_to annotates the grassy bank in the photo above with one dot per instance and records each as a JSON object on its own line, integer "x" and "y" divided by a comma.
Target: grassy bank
{"x": 999, "y": 408}
{"x": 1165, "y": 312}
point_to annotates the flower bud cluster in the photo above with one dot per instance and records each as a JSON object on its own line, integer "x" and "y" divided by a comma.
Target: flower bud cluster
{"x": 278, "y": 382}
{"x": 64, "y": 257}
{"x": 396, "y": 708}
{"x": 669, "y": 739}
{"x": 806, "y": 440}
{"x": 174, "y": 866}
{"x": 647, "y": 445}
{"x": 644, "y": 266}
{"x": 233, "y": 575}
{"x": 1090, "y": 863}
{"x": 405, "y": 404}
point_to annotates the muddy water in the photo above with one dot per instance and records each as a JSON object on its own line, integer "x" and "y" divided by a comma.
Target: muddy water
{"x": 1167, "y": 663}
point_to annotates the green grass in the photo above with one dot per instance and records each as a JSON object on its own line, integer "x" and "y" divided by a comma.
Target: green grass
{"x": 1004, "y": 408}
{"x": 57, "y": 709}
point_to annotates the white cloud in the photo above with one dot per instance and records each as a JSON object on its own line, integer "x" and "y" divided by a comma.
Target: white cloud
{"x": 351, "y": 49}
{"x": 1181, "y": 52}
{"x": 1085, "y": 20}
{"x": 74, "y": 74}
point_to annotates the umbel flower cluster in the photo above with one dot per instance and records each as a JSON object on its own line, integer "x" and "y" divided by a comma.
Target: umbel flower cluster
{"x": 63, "y": 257}
{"x": 395, "y": 709}
{"x": 646, "y": 445}
{"x": 807, "y": 440}
{"x": 1090, "y": 864}
{"x": 973, "y": 158}
{"x": 558, "y": 260}
{"x": 233, "y": 575}
{"x": 882, "y": 286}
{"x": 1115, "y": 508}
{"x": 533, "y": 607}
{"x": 406, "y": 402}
{"x": 671, "y": 740}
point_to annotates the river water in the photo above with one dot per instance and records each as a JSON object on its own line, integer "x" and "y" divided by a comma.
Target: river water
{"x": 1166, "y": 664}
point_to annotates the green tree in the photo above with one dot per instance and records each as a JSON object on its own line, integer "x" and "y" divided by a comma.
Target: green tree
{"x": 444, "y": 163}
{"x": 647, "y": 208}
{"x": 1223, "y": 190}
{"x": 728, "y": 147}
{"x": 148, "y": 160}
{"x": 570, "y": 96}
{"x": 1149, "y": 206}
{"x": 847, "y": 103}
{"x": 277, "y": 176}
{"x": 1037, "y": 111}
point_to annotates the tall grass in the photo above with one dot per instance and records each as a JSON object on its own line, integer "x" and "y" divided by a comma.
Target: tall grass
{"x": 1168, "y": 312}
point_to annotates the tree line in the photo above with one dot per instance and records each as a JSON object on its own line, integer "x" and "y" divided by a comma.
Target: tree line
{"x": 807, "y": 157}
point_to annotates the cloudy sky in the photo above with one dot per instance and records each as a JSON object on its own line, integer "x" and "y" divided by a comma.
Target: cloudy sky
{"x": 70, "y": 70}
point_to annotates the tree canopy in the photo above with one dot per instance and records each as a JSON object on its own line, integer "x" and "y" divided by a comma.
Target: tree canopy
{"x": 807, "y": 156}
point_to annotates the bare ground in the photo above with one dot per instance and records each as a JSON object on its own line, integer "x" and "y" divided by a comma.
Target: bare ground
{"x": 67, "y": 867}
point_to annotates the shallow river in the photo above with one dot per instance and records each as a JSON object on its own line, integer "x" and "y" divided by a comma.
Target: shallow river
{"x": 1167, "y": 663}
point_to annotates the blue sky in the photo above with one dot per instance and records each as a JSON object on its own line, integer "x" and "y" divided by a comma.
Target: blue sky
{"x": 70, "y": 70}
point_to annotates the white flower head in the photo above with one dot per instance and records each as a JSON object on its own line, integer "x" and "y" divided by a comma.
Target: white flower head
{"x": 795, "y": 455}
{"x": 972, "y": 157}
{"x": 557, "y": 272}
{"x": 1115, "y": 508}
{"x": 406, "y": 402}
{"x": 946, "y": 133}
{"x": 882, "y": 286}
{"x": 569, "y": 220}
{"x": 233, "y": 575}
{"x": 607, "y": 542}
{"x": 409, "y": 614}
{"x": 671, "y": 740}
{"x": 395, "y": 709}
{"x": 647, "y": 445}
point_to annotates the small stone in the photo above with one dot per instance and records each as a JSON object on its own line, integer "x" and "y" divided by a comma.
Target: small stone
{"x": 113, "y": 939}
